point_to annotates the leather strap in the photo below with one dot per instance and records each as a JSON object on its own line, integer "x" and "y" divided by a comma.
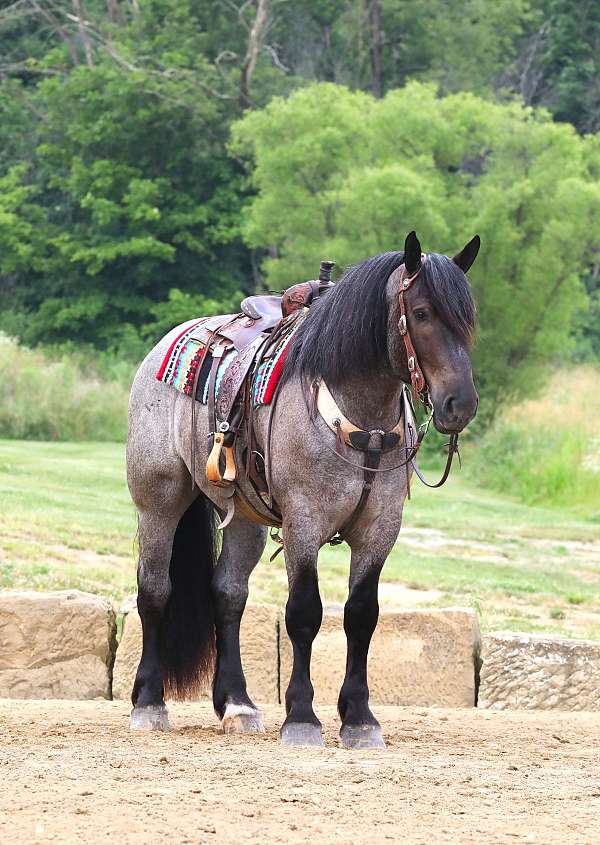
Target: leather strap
{"x": 217, "y": 354}
{"x": 337, "y": 421}
{"x": 410, "y": 450}
{"x": 372, "y": 459}
{"x": 417, "y": 379}
{"x": 199, "y": 366}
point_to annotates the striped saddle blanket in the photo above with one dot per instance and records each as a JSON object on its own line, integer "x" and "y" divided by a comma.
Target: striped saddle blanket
{"x": 179, "y": 366}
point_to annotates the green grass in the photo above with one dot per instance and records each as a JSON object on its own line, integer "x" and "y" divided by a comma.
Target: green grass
{"x": 67, "y": 521}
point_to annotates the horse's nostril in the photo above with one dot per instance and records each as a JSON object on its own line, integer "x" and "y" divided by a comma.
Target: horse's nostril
{"x": 449, "y": 407}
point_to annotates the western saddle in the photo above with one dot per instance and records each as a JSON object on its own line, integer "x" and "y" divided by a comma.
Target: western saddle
{"x": 253, "y": 333}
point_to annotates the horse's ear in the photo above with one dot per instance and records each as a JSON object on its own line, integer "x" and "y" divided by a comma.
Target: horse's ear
{"x": 412, "y": 253}
{"x": 467, "y": 256}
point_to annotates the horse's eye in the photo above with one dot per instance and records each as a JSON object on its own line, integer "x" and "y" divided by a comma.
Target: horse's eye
{"x": 420, "y": 314}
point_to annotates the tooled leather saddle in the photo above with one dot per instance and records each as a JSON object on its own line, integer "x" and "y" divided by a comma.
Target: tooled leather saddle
{"x": 252, "y": 333}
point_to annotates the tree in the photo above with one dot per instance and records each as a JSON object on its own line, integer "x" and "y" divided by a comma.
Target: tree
{"x": 129, "y": 183}
{"x": 558, "y": 64}
{"x": 355, "y": 183}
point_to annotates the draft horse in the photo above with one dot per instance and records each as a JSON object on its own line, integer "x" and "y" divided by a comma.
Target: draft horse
{"x": 357, "y": 339}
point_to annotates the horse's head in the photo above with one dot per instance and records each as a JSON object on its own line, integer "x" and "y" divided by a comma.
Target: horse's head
{"x": 432, "y": 320}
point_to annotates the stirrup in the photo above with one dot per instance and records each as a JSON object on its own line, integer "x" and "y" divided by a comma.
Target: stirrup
{"x": 213, "y": 464}
{"x": 213, "y": 470}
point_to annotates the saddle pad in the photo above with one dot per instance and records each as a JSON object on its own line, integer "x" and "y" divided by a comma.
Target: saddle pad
{"x": 269, "y": 372}
{"x": 179, "y": 365}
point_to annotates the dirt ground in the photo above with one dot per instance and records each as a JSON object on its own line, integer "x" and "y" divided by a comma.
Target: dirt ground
{"x": 72, "y": 772}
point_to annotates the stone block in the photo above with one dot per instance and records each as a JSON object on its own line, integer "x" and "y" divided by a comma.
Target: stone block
{"x": 530, "y": 672}
{"x": 259, "y": 647}
{"x": 56, "y": 645}
{"x": 417, "y": 657}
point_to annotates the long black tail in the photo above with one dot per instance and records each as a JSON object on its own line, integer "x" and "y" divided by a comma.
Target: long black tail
{"x": 187, "y": 637}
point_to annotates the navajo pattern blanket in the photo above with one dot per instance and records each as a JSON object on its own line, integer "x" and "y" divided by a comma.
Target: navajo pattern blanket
{"x": 268, "y": 373}
{"x": 178, "y": 368}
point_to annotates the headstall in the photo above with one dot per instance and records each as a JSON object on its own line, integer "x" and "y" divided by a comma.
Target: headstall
{"x": 417, "y": 379}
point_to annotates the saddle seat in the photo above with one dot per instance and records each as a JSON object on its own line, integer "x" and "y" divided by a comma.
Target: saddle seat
{"x": 263, "y": 307}
{"x": 259, "y": 314}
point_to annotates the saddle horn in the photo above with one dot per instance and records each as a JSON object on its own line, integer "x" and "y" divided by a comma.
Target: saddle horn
{"x": 325, "y": 272}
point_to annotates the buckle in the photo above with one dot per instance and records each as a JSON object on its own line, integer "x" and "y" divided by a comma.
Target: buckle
{"x": 411, "y": 363}
{"x": 402, "y": 324}
{"x": 223, "y": 427}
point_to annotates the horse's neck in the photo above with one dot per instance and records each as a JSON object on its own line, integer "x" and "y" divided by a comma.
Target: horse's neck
{"x": 370, "y": 402}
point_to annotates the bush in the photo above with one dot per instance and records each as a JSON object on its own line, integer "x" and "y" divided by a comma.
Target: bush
{"x": 58, "y": 396}
{"x": 547, "y": 451}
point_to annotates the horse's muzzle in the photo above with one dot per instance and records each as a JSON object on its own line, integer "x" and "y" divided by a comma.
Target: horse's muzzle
{"x": 456, "y": 413}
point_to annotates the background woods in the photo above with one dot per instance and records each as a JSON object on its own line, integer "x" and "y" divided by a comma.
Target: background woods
{"x": 160, "y": 158}
{"x": 128, "y": 202}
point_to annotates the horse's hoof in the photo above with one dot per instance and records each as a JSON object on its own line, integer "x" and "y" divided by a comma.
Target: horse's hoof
{"x": 302, "y": 734}
{"x": 361, "y": 736}
{"x": 241, "y": 719}
{"x": 152, "y": 718}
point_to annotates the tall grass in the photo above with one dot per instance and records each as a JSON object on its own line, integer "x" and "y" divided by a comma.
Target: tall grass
{"x": 45, "y": 396}
{"x": 547, "y": 450}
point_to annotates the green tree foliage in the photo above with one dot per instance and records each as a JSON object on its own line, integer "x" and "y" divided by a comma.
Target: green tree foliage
{"x": 448, "y": 167}
{"x": 126, "y": 190}
{"x": 559, "y": 61}
{"x": 457, "y": 43}
{"x": 121, "y": 206}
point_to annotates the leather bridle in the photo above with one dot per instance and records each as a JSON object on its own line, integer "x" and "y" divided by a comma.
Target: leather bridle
{"x": 417, "y": 379}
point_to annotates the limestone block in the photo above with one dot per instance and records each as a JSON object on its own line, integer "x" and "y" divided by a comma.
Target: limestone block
{"x": 530, "y": 672}
{"x": 417, "y": 657}
{"x": 56, "y": 645}
{"x": 259, "y": 647}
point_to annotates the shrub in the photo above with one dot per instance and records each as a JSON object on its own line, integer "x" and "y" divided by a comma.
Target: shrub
{"x": 57, "y": 396}
{"x": 546, "y": 451}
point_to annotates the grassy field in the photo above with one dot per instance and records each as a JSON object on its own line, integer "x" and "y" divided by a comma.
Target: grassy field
{"x": 66, "y": 521}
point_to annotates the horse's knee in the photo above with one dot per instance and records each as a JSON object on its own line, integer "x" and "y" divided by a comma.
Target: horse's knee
{"x": 304, "y": 609}
{"x": 362, "y": 609}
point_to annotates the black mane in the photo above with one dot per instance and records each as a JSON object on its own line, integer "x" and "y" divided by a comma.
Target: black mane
{"x": 346, "y": 330}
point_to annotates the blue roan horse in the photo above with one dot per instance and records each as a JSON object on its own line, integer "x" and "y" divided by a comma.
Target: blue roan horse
{"x": 396, "y": 318}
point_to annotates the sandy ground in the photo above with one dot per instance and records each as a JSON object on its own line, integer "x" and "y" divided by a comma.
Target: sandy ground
{"x": 72, "y": 772}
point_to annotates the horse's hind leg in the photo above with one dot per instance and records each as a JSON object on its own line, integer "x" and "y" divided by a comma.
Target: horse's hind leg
{"x": 243, "y": 544}
{"x": 157, "y": 528}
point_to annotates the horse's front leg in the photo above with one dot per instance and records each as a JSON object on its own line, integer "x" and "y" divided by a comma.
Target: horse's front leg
{"x": 360, "y": 728}
{"x": 303, "y": 615}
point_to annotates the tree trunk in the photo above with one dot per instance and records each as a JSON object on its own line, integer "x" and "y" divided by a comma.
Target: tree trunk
{"x": 375, "y": 49}
{"x": 55, "y": 24}
{"x": 87, "y": 46}
{"x": 114, "y": 11}
{"x": 254, "y": 44}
